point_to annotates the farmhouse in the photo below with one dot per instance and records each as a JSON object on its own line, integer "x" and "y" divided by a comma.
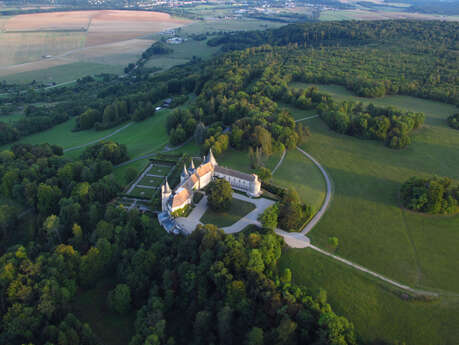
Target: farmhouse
{"x": 194, "y": 179}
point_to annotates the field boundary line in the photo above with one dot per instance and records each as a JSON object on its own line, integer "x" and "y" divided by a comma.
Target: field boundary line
{"x": 100, "y": 139}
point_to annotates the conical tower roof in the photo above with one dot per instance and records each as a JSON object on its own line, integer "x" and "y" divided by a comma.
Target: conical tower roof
{"x": 211, "y": 158}
{"x": 192, "y": 164}
{"x": 184, "y": 172}
{"x": 167, "y": 189}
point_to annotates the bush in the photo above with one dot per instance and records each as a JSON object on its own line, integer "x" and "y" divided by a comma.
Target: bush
{"x": 183, "y": 212}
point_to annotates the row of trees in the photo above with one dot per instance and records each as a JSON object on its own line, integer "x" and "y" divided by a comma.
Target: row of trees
{"x": 433, "y": 195}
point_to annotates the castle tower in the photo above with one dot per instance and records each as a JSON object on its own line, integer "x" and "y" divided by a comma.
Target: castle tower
{"x": 211, "y": 158}
{"x": 192, "y": 166}
{"x": 184, "y": 174}
{"x": 165, "y": 194}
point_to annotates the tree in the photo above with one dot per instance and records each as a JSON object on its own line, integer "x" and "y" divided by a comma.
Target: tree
{"x": 219, "y": 194}
{"x": 119, "y": 299}
{"x": 333, "y": 241}
{"x": 270, "y": 216}
{"x": 256, "y": 261}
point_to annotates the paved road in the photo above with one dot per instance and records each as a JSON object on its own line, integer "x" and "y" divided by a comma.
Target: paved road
{"x": 328, "y": 197}
{"x": 100, "y": 139}
{"x": 251, "y": 218}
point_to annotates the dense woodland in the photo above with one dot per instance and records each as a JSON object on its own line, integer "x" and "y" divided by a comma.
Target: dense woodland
{"x": 179, "y": 285}
{"x": 433, "y": 195}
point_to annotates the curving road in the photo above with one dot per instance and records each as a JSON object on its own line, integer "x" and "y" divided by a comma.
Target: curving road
{"x": 328, "y": 196}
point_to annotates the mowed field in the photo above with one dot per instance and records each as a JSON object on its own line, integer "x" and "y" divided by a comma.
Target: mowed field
{"x": 39, "y": 41}
{"x": 375, "y": 232}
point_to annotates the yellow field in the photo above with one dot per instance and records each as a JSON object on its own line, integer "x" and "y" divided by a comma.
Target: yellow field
{"x": 38, "y": 41}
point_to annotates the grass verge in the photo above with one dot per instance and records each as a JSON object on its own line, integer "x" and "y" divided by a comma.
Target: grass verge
{"x": 237, "y": 210}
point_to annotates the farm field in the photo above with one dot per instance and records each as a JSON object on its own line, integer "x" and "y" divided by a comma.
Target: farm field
{"x": 59, "y": 73}
{"x": 45, "y": 40}
{"x": 379, "y": 315}
{"x": 182, "y": 53}
{"x": 390, "y": 13}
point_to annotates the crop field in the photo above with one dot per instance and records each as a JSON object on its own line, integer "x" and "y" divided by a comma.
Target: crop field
{"x": 379, "y": 315}
{"x": 44, "y": 40}
{"x": 388, "y": 13}
{"x": 182, "y": 54}
{"x": 58, "y": 72}
{"x": 375, "y": 232}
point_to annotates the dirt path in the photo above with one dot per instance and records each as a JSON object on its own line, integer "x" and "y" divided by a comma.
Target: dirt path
{"x": 279, "y": 163}
{"x": 374, "y": 274}
{"x": 100, "y": 139}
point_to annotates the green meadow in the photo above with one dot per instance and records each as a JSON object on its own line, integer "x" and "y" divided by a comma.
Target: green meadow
{"x": 380, "y": 316}
{"x": 375, "y": 232}
{"x": 299, "y": 173}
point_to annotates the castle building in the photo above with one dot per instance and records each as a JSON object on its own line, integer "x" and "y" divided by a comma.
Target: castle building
{"x": 193, "y": 179}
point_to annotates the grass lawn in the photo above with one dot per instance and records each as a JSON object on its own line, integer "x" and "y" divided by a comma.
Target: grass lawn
{"x": 120, "y": 172}
{"x": 142, "y": 192}
{"x": 239, "y": 160}
{"x": 62, "y": 135}
{"x": 151, "y": 181}
{"x": 365, "y": 215}
{"x": 140, "y": 138}
{"x": 379, "y": 315}
{"x": 237, "y": 210}
{"x": 299, "y": 173}
{"x": 90, "y": 306}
